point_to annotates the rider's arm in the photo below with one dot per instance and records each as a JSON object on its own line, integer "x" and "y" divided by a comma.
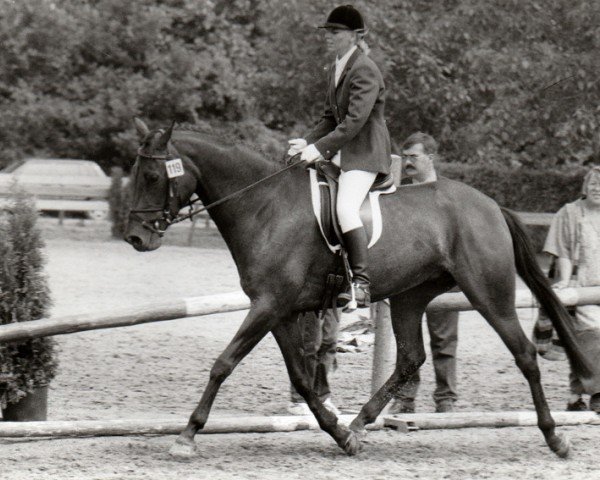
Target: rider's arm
{"x": 325, "y": 124}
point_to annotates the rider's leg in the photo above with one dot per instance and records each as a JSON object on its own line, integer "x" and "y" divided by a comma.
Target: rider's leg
{"x": 354, "y": 185}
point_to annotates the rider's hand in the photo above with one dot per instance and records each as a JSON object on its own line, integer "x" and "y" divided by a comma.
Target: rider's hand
{"x": 561, "y": 284}
{"x": 310, "y": 154}
{"x": 296, "y": 146}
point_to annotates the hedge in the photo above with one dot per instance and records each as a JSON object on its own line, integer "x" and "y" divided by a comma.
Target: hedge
{"x": 520, "y": 189}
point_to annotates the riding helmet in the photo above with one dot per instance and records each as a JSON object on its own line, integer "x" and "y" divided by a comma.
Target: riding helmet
{"x": 345, "y": 17}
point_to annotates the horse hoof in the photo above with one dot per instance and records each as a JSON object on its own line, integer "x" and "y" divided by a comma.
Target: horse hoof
{"x": 361, "y": 433}
{"x": 561, "y": 446}
{"x": 183, "y": 450}
{"x": 352, "y": 444}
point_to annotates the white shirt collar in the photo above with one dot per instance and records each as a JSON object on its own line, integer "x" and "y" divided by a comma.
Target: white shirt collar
{"x": 340, "y": 63}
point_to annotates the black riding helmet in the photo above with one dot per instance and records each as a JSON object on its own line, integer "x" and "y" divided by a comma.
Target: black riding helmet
{"x": 345, "y": 17}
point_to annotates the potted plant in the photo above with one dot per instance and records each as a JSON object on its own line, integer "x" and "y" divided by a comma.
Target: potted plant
{"x": 26, "y": 368}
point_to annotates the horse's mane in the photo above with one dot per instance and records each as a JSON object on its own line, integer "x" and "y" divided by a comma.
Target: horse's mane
{"x": 225, "y": 140}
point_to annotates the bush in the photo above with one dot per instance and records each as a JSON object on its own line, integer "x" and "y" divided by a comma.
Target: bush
{"x": 502, "y": 82}
{"x": 24, "y": 296}
{"x": 520, "y": 189}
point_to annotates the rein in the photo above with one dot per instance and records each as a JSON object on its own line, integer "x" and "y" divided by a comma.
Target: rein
{"x": 234, "y": 194}
{"x": 159, "y": 226}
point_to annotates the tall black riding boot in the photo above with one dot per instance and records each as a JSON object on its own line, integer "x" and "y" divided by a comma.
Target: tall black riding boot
{"x": 356, "y": 245}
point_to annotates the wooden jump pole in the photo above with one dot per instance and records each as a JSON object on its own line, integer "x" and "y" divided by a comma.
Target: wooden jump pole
{"x": 124, "y": 317}
{"x": 230, "y": 302}
{"x": 269, "y": 424}
{"x": 524, "y": 299}
{"x": 384, "y": 350}
{"x": 438, "y": 421}
{"x": 216, "y": 424}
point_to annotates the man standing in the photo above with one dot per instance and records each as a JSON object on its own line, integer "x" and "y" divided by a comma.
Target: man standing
{"x": 419, "y": 153}
{"x": 319, "y": 343}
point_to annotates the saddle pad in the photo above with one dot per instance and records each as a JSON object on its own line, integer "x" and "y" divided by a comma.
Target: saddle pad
{"x": 370, "y": 212}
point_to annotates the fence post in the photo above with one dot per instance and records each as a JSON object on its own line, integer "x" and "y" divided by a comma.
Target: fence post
{"x": 384, "y": 349}
{"x": 190, "y": 239}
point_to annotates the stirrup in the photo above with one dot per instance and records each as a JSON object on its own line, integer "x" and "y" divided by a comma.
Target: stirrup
{"x": 348, "y": 300}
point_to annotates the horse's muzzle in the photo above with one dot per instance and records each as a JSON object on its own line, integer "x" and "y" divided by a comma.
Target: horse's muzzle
{"x": 136, "y": 242}
{"x": 140, "y": 238}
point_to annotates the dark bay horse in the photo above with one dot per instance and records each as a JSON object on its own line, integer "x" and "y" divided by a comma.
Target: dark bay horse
{"x": 435, "y": 236}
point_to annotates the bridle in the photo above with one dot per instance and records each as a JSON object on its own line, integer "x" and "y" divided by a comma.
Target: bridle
{"x": 170, "y": 209}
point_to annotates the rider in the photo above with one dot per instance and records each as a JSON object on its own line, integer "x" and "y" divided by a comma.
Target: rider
{"x": 352, "y": 133}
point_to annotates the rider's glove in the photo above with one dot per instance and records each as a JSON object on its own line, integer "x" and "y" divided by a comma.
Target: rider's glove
{"x": 296, "y": 146}
{"x": 310, "y": 154}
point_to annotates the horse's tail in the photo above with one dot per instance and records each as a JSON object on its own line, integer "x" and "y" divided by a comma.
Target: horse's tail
{"x": 529, "y": 270}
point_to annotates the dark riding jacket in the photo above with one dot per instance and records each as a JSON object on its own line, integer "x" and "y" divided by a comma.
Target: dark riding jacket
{"x": 353, "y": 120}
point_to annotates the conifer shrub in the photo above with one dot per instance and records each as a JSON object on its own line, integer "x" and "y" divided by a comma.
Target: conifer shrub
{"x": 24, "y": 296}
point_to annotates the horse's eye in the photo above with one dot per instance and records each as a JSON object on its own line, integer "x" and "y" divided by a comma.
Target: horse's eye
{"x": 151, "y": 177}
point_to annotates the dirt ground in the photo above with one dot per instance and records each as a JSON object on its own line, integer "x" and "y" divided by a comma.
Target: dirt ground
{"x": 159, "y": 370}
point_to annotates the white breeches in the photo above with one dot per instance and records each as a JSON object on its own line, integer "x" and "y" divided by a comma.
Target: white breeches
{"x": 353, "y": 187}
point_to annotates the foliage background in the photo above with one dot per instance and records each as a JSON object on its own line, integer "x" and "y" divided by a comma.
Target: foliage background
{"x": 501, "y": 83}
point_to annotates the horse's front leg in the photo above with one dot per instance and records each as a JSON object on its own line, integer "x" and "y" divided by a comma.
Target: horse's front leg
{"x": 261, "y": 318}
{"x": 289, "y": 339}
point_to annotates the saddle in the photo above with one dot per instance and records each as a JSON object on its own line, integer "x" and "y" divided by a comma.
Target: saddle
{"x": 324, "y": 187}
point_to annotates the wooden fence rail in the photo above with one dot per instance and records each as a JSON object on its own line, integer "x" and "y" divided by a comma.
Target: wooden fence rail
{"x": 230, "y": 302}
{"x": 281, "y": 423}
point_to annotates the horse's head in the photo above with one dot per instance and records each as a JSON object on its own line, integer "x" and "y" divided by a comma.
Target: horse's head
{"x": 162, "y": 182}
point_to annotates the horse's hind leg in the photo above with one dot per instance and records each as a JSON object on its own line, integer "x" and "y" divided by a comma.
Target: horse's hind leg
{"x": 260, "y": 320}
{"x": 289, "y": 340}
{"x": 492, "y": 292}
{"x": 407, "y": 311}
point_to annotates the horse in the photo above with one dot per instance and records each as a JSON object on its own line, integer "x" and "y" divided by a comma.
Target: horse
{"x": 436, "y": 236}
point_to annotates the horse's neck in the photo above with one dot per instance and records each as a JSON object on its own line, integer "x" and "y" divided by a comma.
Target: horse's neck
{"x": 224, "y": 172}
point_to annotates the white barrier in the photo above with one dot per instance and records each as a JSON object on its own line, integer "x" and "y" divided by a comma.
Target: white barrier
{"x": 256, "y": 424}
{"x": 384, "y": 355}
{"x": 231, "y": 302}
{"x": 154, "y": 312}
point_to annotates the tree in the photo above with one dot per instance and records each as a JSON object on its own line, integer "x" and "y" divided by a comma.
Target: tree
{"x": 503, "y": 82}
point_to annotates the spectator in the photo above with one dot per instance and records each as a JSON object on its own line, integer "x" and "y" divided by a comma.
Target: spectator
{"x": 419, "y": 154}
{"x": 443, "y": 331}
{"x": 574, "y": 239}
{"x": 319, "y": 347}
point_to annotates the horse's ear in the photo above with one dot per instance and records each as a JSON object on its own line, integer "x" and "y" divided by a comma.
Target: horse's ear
{"x": 141, "y": 128}
{"x": 166, "y": 136}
